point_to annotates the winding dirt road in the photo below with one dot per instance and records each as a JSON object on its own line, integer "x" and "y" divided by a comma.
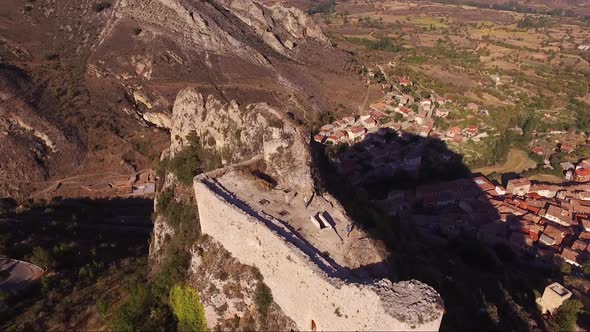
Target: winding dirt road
{"x": 20, "y": 274}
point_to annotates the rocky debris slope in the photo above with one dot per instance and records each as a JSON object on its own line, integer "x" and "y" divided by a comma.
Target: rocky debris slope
{"x": 31, "y": 145}
{"x": 236, "y": 49}
{"x": 240, "y": 133}
{"x": 281, "y": 28}
{"x": 410, "y": 301}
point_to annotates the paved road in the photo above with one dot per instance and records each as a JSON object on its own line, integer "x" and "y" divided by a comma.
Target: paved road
{"x": 22, "y": 274}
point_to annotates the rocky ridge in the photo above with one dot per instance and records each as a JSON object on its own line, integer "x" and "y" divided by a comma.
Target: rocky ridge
{"x": 242, "y": 133}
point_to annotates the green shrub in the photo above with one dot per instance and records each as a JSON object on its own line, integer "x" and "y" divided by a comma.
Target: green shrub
{"x": 88, "y": 273}
{"x": 565, "y": 268}
{"x": 186, "y": 165}
{"x": 128, "y": 315}
{"x": 326, "y": 118}
{"x": 382, "y": 44}
{"x": 41, "y": 257}
{"x": 263, "y": 298}
{"x": 536, "y": 158}
{"x": 177, "y": 213}
{"x": 165, "y": 197}
{"x": 529, "y": 22}
{"x": 188, "y": 309}
{"x": 102, "y": 307}
{"x": 323, "y": 7}
{"x": 193, "y": 160}
{"x": 566, "y": 316}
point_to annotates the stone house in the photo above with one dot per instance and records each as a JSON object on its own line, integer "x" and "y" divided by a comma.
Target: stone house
{"x": 553, "y": 297}
{"x": 558, "y": 215}
{"x": 571, "y": 256}
{"x": 518, "y": 187}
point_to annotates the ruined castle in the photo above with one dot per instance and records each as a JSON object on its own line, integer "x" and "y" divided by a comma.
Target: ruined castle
{"x": 309, "y": 290}
{"x": 262, "y": 209}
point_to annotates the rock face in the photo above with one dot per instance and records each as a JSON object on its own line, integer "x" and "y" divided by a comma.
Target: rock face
{"x": 281, "y": 28}
{"x": 240, "y": 133}
{"x": 202, "y": 26}
{"x": 233, "y": 49}
{"x": 228, "y": 290}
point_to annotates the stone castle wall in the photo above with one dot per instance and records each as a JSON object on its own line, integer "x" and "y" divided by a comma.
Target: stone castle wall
{"x": 300, "y": 287}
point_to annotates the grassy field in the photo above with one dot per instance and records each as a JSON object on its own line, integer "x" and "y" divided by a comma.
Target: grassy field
{"x": 517, "y": 161}
{"x": 546, "y": 178}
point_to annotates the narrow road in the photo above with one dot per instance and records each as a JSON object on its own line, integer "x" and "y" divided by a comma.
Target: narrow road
{"x": 20, "y": 275}
{"x": 384, "y": 73}
{"x": 363, "y": 107}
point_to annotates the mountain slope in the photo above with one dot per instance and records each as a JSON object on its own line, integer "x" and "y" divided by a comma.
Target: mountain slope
{"x": 113, "y": 73}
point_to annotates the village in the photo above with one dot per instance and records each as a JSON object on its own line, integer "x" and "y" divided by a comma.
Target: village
{"x": 550, "y": 222}
{"x": 403, "y": 112}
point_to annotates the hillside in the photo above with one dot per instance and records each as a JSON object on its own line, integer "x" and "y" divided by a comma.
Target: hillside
{"x": 107, "y": 76}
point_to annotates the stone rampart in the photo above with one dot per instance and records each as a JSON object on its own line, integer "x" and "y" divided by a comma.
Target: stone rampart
{"x": 305, "y": 290}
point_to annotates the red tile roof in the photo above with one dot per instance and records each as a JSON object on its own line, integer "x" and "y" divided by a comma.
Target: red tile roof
{"x": 454, "y": 130}
{"x": 570, "y": 255}
{"x": 579, "y": 245}
{"x": 519, "y": 182}
{"x": 319, "y": 138}
{"x": 583, "y": 172}
{"x": 557, "y": 233}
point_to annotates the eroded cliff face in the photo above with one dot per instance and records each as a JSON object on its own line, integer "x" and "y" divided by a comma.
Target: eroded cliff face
{"x": 281, "y": 28}
{"x": 228, "y": 290}
{"x": 240, "y": 133}
{"x": 219, "y": 44}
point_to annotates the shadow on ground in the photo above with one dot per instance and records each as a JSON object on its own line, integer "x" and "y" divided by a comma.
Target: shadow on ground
{"x": 419, "y": 198}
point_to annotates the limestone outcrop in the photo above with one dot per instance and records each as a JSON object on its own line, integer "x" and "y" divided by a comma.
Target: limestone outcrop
{"x": 281, "y": 28}
{"x": 239, "y": 133}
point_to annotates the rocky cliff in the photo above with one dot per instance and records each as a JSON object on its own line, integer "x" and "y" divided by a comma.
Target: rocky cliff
{"x": 240, "y": 133}
{"x": 237, "y": 134}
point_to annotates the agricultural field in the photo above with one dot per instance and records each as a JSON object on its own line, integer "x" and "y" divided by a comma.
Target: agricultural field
{"x": 516, "y": 162}
{"x": 524, "y": 69}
